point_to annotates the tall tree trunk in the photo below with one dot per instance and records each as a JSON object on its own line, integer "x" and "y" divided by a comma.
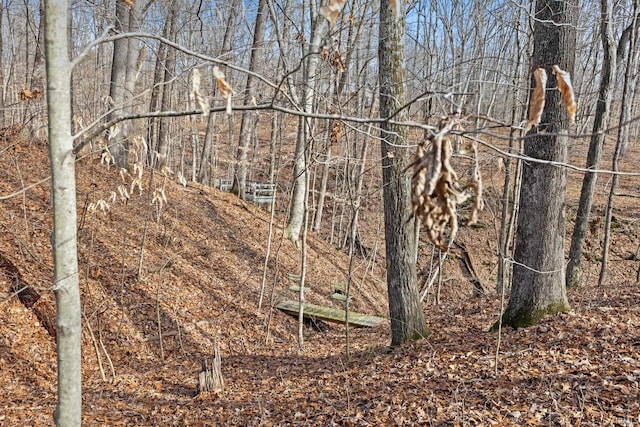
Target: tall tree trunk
{"x": 63, "y": 188}
{"x": 613, "y": 54}
{"x": 305, "y": 128}
{"x": 164, "y": 140}
{"x": 538, "y": 286}
{"x": 117, "y": 88}
{"x": 37, "y": 83}
{"x": 156, "y": 94}
{"x": 246, "y": 125}
{"x": 600, "y": 123}
{"x": 626, "y": 107}
{"x": 2, "y": 64}
{"x": 405, "y": 310}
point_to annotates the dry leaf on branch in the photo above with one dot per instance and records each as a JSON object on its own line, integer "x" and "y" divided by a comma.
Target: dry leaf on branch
{"x": 202, "y": 101}
{"x": 225, "y": 88}
{"x": 27, "y": 94}
{"x": 332, "y": 11}
{"x": 396, "y": 8}
{"x": 536, "y": 104}
{"x": 566, "y": 89}
{"x": 436, "y": 191}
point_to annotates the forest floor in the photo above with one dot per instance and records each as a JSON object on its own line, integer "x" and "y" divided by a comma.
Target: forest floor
{"x": 153, "y": 312}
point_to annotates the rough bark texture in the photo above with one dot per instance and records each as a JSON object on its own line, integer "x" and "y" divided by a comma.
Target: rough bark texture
{"x": 405, "y": 311}
{"x": 600, "y": 123}
{"x": 538, "y": 286}
{"x": 63, "y": 187}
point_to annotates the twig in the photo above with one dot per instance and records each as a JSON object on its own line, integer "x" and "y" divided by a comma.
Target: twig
{"x": 106, "y": 353}
{"x": 95, "y": 347}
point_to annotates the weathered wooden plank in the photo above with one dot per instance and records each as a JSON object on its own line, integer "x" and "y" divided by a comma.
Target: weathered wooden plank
{"x": 330, "y": 314}
{"x": 340, "y": 296}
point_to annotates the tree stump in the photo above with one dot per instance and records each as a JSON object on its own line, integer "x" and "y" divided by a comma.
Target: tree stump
{"x": 210, "y": 378}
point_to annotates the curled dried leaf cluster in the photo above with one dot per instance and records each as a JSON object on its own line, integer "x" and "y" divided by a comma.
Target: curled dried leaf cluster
{"x": 337, "y": 130}
{"x": 436, "y": 189}
{"x": 196, "y": 96}
{"x": 566, "y": 90}
{"x": 396, "y": 8}
{"x": 336, "y": 59}
{"x": 225, "y": 88}
{"x": 27, "y": 94}
{"x": 536, "y": 103}
{"x": 331, "y": 11}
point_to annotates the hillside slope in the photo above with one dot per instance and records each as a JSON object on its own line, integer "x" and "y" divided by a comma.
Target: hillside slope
{"x": 200, "y": 278}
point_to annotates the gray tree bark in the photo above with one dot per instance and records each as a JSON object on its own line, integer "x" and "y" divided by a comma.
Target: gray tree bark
{"x": 613, "y": 54}
{"x": 121, "y": 88}
{"x": 63, "y": 187}
{"x": 305, "y": 127}
{"x": 626, "y": 112}
{"x": 405, "y": 310}
{"x": 538, "y": 286}
{"x": 164, "y": 141}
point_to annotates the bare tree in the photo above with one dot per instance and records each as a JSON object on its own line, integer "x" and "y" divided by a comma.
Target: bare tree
{"x": 405, "y": 310}
{"x": 613, "y": 54}
{"x": 125, "y": 56}
{"x": 538, "y": 285}
{"x": 63, "y": 188}
{"x": 246, "y": 125}
{"x": 626, "y": 107}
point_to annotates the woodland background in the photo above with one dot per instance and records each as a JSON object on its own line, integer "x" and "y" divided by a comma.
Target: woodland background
{"x": 171, "y": 265}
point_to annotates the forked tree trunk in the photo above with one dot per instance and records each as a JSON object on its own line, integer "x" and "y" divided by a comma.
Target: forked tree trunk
{"x": 405, "y": 310}
{"x": 538, "y": 286}
{"x": 63, "y": 187}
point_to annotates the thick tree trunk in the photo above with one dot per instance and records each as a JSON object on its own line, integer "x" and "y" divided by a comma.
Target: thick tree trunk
{"x": 405, "y": 310}
{"x": 538, "y": 286}
{"x": 63, "y": 187}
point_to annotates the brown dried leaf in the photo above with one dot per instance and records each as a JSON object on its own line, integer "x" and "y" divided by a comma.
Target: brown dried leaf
{"x": 332, "y": 11}
{"x": 566, "y": 89}
{"x": 225, "y": 88}
{"x": 536, "y": 104}
{"x": 202, "y": 101}
{"x": 396, "y": 8}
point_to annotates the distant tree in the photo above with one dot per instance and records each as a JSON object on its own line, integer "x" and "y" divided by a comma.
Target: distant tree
{"x": 164, "y": 142}
{"x": 246, "y": 125}
{"x": 405, "y": 310}
{"x": 626, "y": 114}
{"x": 125, "y": 55}
{"x": 305, "y": 129}
{"x": 538, "y": 280}
{"x": 64, "y": 241}
{"x": 613, "y": 55}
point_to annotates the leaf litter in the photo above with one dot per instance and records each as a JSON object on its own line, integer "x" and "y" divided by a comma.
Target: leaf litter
{"x": 200, "y": 279}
